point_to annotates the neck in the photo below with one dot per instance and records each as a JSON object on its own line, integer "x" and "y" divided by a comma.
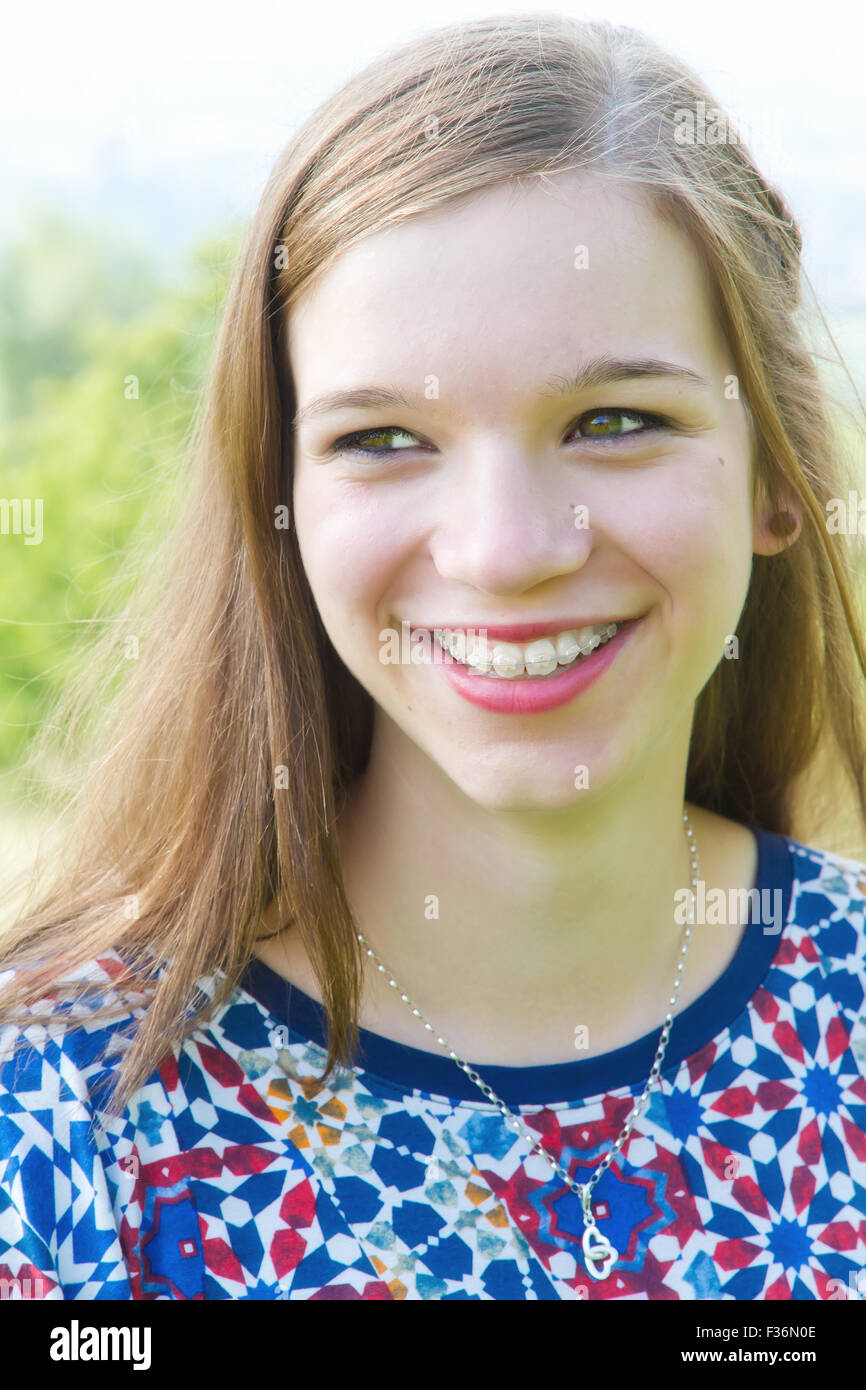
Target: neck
{"x": 505, "y": 923}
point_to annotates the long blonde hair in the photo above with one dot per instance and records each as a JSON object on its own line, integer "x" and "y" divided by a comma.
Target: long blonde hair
{"x": 178, "y": 813}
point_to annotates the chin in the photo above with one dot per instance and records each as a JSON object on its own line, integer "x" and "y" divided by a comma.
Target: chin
{"x": 507, "y": 789}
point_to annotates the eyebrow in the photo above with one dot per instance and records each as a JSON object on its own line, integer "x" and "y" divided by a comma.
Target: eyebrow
{"x": 597, "y": 371}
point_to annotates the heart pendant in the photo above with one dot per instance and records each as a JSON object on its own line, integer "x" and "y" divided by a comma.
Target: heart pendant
{"x": 597, "y": 1249}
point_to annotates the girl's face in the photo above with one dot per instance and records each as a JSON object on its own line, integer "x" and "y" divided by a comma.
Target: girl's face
{"x": 551, "y": 435}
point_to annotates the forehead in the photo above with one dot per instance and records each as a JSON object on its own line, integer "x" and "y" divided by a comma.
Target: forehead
{"x": 540, "y": 269}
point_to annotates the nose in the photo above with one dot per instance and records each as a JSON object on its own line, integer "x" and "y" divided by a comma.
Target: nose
{"x": 512, "y": 526}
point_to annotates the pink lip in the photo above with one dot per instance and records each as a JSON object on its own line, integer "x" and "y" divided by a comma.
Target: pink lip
{"x": 535, "y": 694}
{"x": 524, "y": 632}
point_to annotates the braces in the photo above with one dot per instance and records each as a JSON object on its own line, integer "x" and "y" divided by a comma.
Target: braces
{"x": 526, "y": 675}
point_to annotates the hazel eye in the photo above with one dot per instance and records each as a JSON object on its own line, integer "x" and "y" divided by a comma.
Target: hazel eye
{"x": 351, "y": 443}
{"x": 601, "y": 425}
{"x": 610, "y": 423}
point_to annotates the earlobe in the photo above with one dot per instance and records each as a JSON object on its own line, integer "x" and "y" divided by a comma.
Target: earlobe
{"x": 783, "y": 524}
{"x": 776, "y": 531}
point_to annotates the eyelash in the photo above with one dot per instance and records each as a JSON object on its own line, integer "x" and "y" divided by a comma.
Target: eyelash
{"x": 346, "y": 444}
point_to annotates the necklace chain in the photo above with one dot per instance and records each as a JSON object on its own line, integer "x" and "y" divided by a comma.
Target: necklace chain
{"x": 597, "y": 1249}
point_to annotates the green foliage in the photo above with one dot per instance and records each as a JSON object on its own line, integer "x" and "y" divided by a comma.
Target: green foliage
{"x": 102, "y": 368}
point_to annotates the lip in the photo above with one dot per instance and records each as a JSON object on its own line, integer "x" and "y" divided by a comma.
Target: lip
{"x": 524, "y": 632}
{"x": 536, "y": 694}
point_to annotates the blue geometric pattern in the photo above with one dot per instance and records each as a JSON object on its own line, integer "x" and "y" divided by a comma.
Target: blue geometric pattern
{"x": 233, "y": 1173}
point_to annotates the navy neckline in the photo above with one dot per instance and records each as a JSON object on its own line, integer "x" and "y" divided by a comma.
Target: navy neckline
{"x": 409, "y": 1068}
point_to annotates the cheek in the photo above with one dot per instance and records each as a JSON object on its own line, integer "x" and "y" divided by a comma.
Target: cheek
{"x": 349, "y": 542}
{"x": 690, "y": 530}
{"x": 706, "y": 499}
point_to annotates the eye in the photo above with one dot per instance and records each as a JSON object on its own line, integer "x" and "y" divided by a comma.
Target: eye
{"x": 605, "y": 424}
{"x": 349, "y": 444}
{"x": 613, "y": 422}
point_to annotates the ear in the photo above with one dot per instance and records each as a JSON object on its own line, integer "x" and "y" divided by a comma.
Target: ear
{"x": 775, "y": 528}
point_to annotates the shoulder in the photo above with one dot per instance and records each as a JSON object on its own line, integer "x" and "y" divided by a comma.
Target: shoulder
{"x": 144, "y": 1203}
{"x": 77, "y": 1039}
{"x": 824, "y": 942}
{"x": 828, "y": 888}
{"x": 59, "y": 1068}
{"x": 63, "y": 1164}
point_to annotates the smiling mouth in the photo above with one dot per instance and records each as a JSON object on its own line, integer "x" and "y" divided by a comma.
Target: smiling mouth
{"x": 538, "y": 660}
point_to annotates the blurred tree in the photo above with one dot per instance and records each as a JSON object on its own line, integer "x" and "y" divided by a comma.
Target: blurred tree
{"x": 101, "y": 369}
{"x": 58, "y": 281}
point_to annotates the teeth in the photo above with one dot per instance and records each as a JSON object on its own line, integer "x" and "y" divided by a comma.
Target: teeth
{"x": 478, "y": 655}
{"x": 589, "y": 639}
{"x": 567, "y": 647}
{"x": 540, "y": 657}
{"x": 508, "y": 659}
{"x": 511, "y": 660}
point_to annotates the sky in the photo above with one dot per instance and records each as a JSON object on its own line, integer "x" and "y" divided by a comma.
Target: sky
{"x": 161, "y": 122}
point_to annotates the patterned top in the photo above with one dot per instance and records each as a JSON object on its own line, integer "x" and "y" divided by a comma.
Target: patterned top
{"x": 234, "y": 1174}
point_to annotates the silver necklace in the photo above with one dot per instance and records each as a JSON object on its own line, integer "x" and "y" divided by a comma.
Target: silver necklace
{"x": 598, "y": 1253}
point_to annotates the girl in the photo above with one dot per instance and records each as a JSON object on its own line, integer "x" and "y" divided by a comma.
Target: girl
{"x": 501, "y": 621}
